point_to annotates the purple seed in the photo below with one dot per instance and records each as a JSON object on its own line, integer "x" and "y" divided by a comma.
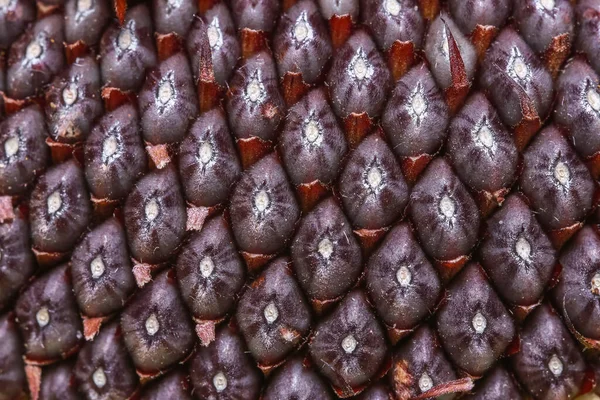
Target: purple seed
{"x": 85, "y": 20}
{"x": 14, "y": 17}
{"x": 224, "y": 370}
{"x": 480, "y": 148}
{"x": 155, "y": 216}
{"x": 556, "y": 181}
{"x": 17, "y": 263}
{"x": 416, "y": 116}
{"x": 58, "y": 382}
{"x": 329, "y": 8}
{"x": 167, "y": 101}
{"x": 326, "y": 256}
{"x": 576, "y": 295}
{"x": 301, "y": 43}
{"x": 273, "y": 315}
{"x": 35, "y": 57}
{"x": 157, "y": 328}
{"x": 588, "y": 35}
{"x": 263, "y": 208}
{"x": 517, "y": 254}
{"x": 48, "y": 317}
{"x": 469, "y": 13}
{"x": 312, "y": 143}
{"x": 210, "y": 272}
{"x": 359, "y": 79}
{"x": 12, "y": 371}
{"x": 474, "y": 326}
{"x": 445, "y": 215}
{"x": 101, "y": 270}
{"x": 258, "y": 15}
{"x": 23, "y": 150}
{"x": 114, "y": 154}
{"x": 498, "y": 384}
{"x": 59, "y": 208}
{"x": 296, "y": 381}
{"x": 175, "y": 385}
{"x": 393, "y": 20}
{"x": 127, "y": 50}
{"x": 372, "y": 186}
{"x": 104, "y": 369}
{"x": 208, "y": 160}
{"x": 173, "y": 16}
{"x": 402, "y": 283}
{"x": 541, "y": 21}
{"x": 73, "y": 101}
{"x": 255, "y": 107}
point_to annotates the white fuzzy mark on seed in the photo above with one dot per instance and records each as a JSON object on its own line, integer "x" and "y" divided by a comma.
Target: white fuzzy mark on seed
{"x": 152, "y": 210}
{"x": 447, "y": 206}
{"x": 517, "y": 67}
{"x": 547, "y": 4}
{"x": 97, "y": 267}
{"x": 42, "y": 317}
{"x": 403, "y": 276}
{"x": 593, "y": 99}
{"x": 562, "y": 173}
{"x": 479, "y": 323}
{"x": 392, "y": 7}
{"x": 11, "y": 146}
{"x": 152, "y": 325}
{"x": 255, "y": 90}
{"x": 206, "y": 267}
{"x": 262, "y": 202}
{"x": 555, "y": 365}
{"x": 70, "y": 94}
{"x": 349, "y": 344}
{"x": 125, "y": 39}
{"x": 109, "y": 148}
{"x": 84, "y": 5}
{"x": 596, "y": 283}
{"x": 271, "y": 313}
{"x": 33, "y": 51}
{"x": 325, "y": 248}
{"x": 359, "y": 66}
{"x": 312, "y": 131}
{"x": 54, "y": 202}
{"x": 165, "y": 91}
{"x": 215, "y": 36}
{"x": 425, "y": 382}
{"x": 302, "y": 30}
{"x": 99, "y": 378}
{"x": 523, "y": 249}
{"x": 220, "y": 382}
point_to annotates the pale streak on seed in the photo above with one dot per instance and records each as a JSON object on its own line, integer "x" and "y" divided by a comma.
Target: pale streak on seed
{"x": 11, "y": 146}
{"x": 271, "y": 313}
{"x": 206, "y": 267}
{"x": 220, "y": 382}
{"x": 42, "y": 317}
{"x": 152, "y": 325}
{"x": 555, "y": 365}
{"x": 349, "y": 344}
{"x": 99, "y": 378}
{"x": 403, "y": 276}
{"x": 54, "y": 202}
{"x": 479, "y": 323}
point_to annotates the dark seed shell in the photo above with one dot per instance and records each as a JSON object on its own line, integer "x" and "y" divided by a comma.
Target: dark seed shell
{"x": 556, "y": 181}
{"x": 114, "y": 154}
{"x": 548, "y": 364}
{"x": 326, "y": 256}
{"x": 474, "y": 326}
{"x": 58, "y": 382}
{"x": 375, "y": 392}
{"x": 157, "y": 329}
{"x": 12, "y": 371}
{"x": 73, "y": 101}
{"x": 59, "y": 208}
{"x": 329, "y": 8}
{"x": 359, "y": 79}
{"x": 224, "y": 370}
{"x": 101, "y": 270}
{"x": 511, "y": 69}
{"x": 301, "y": 43}
{"x": 445, "y": 216}
{"x": 223, "y": 42}
{"x": 578, "y": 106}
{"x": 576, "y": 295}
{"x": 35, "y": 57}
{"x": 127, "y": 50}
{"x": 263, "y": 208}
{"x": 23, "y": 152}
{"x": 497, "y": 385}
{"x": 296, "y": 381}
{"x": 480, "y": 148}
{"x": 419, "y": 364}
{"x": 174, "y": 385}
{"x": 103, "y": 369}
{"x": 155, "y": 216}
{"x": 349, "y": 346}
{"x": 17, "y": 263}
{"x": 85, "y": 20}
{"x": 259, "y": 15}
{"x": 171, "y": 16}
{"x": 255, "y": 106}
{"x": 210, "y": 272}
{"x": 208, "y": 160}
{"x": 588, "y": 16}
{"x": 312, "y": 144}
{"x": 438, "y": 47}
{"x": 540, "y": 22}
{"x": 272, "y": 314}
{"x": 14, "y": 18}
{"x": 469, "y": 13}
{"x": 401, "y": 281}
{"x": 167, "y": 101}
{"x": 48, "y": 317}
{"x": 372, "y": 186}
{"x": 416, "y": 115}
{"x": 393, "y": 20}
{"x": 517, "y": 254}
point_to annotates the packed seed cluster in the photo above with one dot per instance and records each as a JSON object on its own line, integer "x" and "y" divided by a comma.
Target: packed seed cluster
{"x": 254, "y": 199}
